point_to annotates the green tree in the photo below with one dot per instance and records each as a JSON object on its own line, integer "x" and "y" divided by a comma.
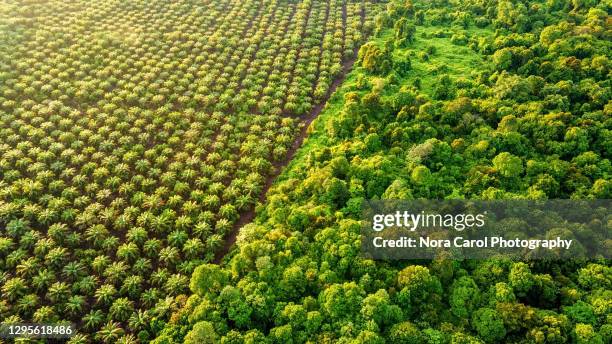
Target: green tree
{"x": 341, "y": 301}
{"x": 110, "y": 332}
{"x": 404, "y": 32}
{"x": 489, "y": 325}
{"x": 465, "y": 297}
{"x": 202, "y": 332}
{"x": 374, "y": 59}
{"x": 520, "y": 278}
{"x": 208, "y": 278}
{"x": 379, "y": 308}
{"x": 419, "y": 291}
{"x": 508, "y": 165}
{"x": 405, "y": 333}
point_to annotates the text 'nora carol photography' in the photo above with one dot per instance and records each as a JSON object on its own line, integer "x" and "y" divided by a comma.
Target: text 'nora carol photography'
{"x": 477, "y": 229}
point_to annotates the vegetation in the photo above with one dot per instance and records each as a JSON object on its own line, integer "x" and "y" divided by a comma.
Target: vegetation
{"x": 452, "y": 99}
{"x": 133, "y": 134}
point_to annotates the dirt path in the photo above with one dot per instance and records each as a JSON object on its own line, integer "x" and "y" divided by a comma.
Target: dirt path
{"x": 248, "y": 216}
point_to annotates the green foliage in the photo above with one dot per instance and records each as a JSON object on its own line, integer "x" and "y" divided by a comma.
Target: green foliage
{"x": 508, "y": 165}
{"x": 375, "y": 59}
{"x": 404, "y": 32}
{"x": 444, "y": 88}
{"x": 421, "y": 175}
{"x": 208, "y": 278}
{"x": 202, "y": 332}
{"x": 379, "y": 308}
{"x": 341, "y": 301}
{"x": 491, "y": 100}
{"x": 464, "y": 297}
{"x": 129, "y": 154}
{"x": 405, "y": 333}
{"x": 489, "y": 325}
{"x": 520, "y": 278}
{"x": 580, "y": 312}
{"x": 135, "y": 137}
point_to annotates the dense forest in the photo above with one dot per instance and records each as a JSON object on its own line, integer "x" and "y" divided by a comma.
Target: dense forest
{"x": 450, "y": 99}
{"x": 136, "y": 137}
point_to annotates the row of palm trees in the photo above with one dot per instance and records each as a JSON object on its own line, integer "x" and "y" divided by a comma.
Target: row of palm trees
{"x": 137, "y": 74}
{"x": 132, "y": 137}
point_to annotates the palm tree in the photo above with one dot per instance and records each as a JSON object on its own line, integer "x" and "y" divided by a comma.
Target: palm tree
{"x": 169, "y": 255}
{"x": 228, "y": 211}
{"x": 183, "y": 222}
{"x": 131, "y": 286}
{"x": 93, "y": 319}
{"x": 202, "y": 229}
{"x": 176, "y": 284}
{"x": 121, "y": 309}
{"x": 58, "y": 292}
{"x": 122, "y": 221}
{"x": 193, "y": 248}
{"x": 214, "y": 241}
{"x": 86, "y": 285}
{"x": 159, "y": 277}
{"x": 223, "y": 226}
{"x": 75, "y": 304}
{"x": 152, "y": 202}
{"x": 202, "y": 182}
{"x": 220, "y": 175}
{"x": 190, "y": 207}
{"x": 109, "y": 245}
{"x": 27, "y": 241}
{"x": 152, "y": 247}
{"x": 28, "y": 267}
{"x": 30, "y": 211}
{"x": 105, "y": 294}
{"x": 126, "y": 188}
{"x": 43, "y": 246}
{"x": 5, "y": 245}
{"x": 43, "y": 279}
{"x": 47, "y": 216}
{"x": 107, "y": 215}
{"x": 15, "y": 257}
{"x": 115, "y": 272}
{"x": 73, "y": 240}
{"x": 16, "y": 228}
{"x": 142, "y": 266}
{"x": 145, "y": 219}
{"x": 73, "y": 270}
{"x": 96, "y": 234}
{"x": 100, "y": 263}
{"x": 27, "y": 304}
{"x": 110, "y": 332}
{"x": 178, "y": 237}
{"x": 122, "y": 170}
{"x": 128, "y": 252}
{"x": 128, "y": 339}
{"x": 164, "y": 307}
{"x": 14, "y": 288}
{"x": 57, "y": 232}
{"x": 68, "y": 215}
{"x": 44, "y": 314}
{"x": 149, "y": 297}
{"x": 78, "y": 338}
{"x": 161, "y": 223}
{"x": 211, "y": 201}
{"x": 216, "y": 188}
{"x": 243, "y": 202}
{"x": 176, "y": 201}
{"x": 138, "y": 320}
